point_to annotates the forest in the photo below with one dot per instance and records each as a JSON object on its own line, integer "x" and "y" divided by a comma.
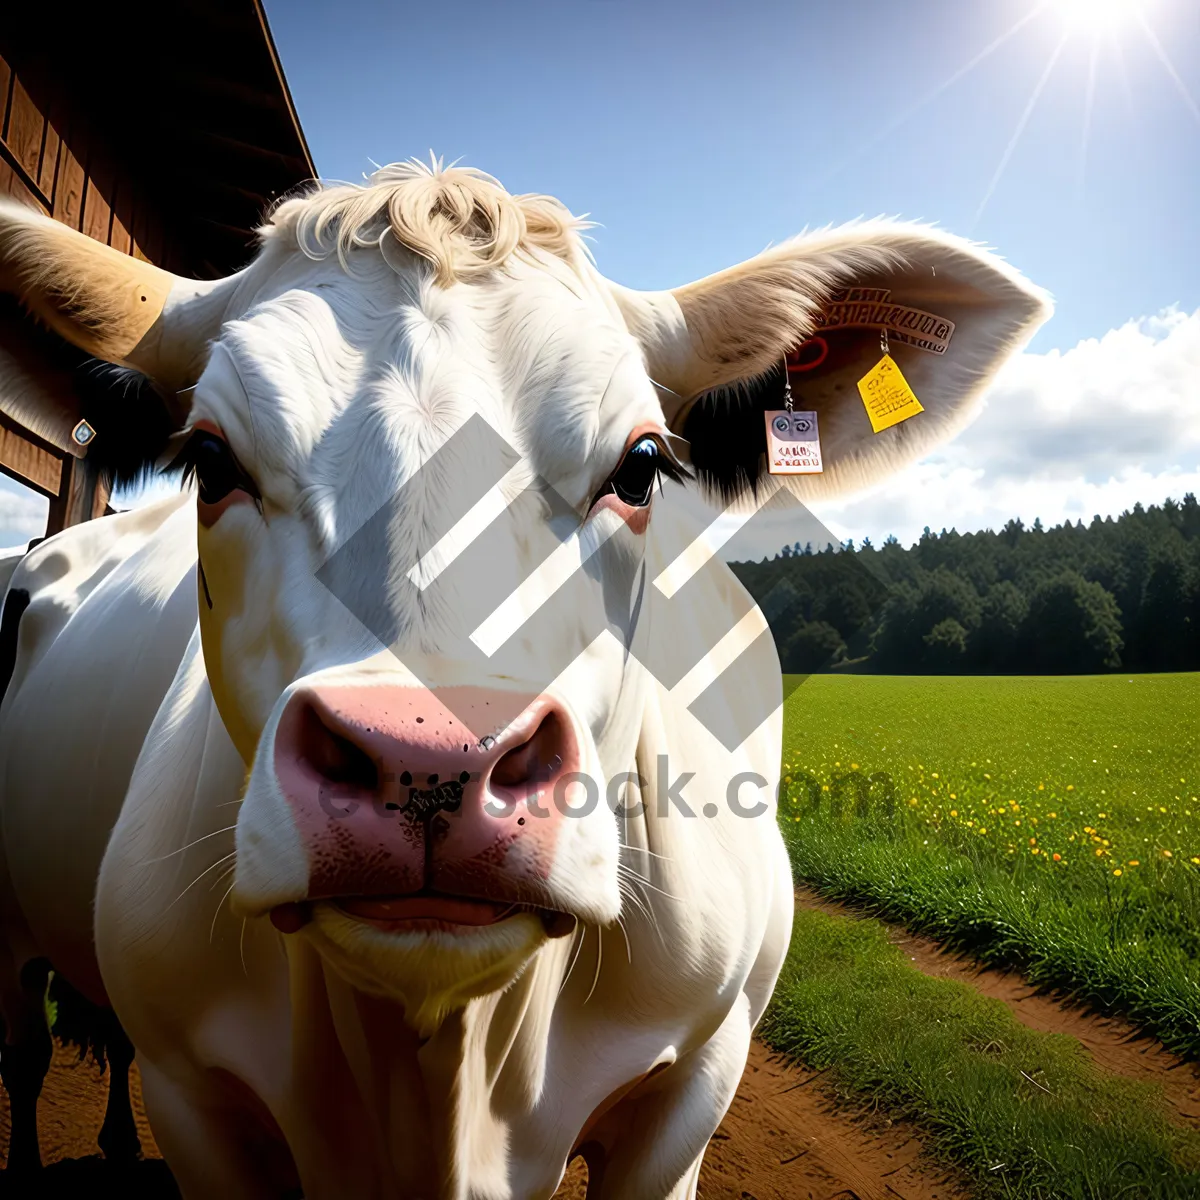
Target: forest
{"x": 1117, "y": 594}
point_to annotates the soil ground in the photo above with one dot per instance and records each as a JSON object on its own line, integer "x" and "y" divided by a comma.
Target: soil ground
{"x": 783, "y": 1138}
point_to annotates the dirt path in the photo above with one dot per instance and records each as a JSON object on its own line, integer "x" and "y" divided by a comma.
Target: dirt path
{"x": 1114, "y": 1044}
{"x": 781, "y": 1140}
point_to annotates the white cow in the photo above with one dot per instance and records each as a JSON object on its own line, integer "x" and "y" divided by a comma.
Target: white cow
{"x": 315, "y": 868}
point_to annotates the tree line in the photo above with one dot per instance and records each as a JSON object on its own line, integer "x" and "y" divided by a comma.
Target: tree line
{"x": 1118, "y": 594}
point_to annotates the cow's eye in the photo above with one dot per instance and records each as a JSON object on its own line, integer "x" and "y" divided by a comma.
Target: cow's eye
{"x": 208, "y": 457}
{"x": 633, "y": 481}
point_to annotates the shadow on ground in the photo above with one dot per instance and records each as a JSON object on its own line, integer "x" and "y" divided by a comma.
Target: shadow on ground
{"x": 76, "y": 1178}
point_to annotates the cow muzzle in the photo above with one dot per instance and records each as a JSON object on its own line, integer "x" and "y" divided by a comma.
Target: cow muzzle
{"x": 424, "y": 813}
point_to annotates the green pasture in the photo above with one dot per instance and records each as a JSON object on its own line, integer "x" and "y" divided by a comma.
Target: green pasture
{"x": 1048, "y": 823}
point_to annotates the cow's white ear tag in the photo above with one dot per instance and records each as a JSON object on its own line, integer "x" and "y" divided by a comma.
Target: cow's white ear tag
{"x": 793, "y": 443}
{"x": 793, "y": 440}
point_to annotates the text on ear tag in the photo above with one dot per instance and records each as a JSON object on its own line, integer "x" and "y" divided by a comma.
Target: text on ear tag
{"x": 887, "y": 396}
{"x": 793, "y": 443}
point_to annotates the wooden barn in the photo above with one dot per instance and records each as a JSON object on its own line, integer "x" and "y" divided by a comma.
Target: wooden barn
{"x": 164, "y": 130}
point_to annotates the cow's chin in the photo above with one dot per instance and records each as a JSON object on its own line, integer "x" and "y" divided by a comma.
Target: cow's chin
{"x": 430, "y": 972}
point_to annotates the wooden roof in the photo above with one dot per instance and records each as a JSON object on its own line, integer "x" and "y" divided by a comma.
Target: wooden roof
{"x": 184, "y": 101}
{"x": 164, "y": 130}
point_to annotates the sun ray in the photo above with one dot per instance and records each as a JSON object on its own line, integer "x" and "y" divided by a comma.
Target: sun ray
{"x": 1123, "y": 76}
{"x": 907, "y": 114}
{"x": 1169, "y": 67}
{"x": 1089, "y": 101}
{"x": 1013, "y": 141}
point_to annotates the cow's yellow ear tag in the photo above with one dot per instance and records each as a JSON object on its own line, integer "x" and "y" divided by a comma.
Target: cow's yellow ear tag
{"x": 886, "y": 394}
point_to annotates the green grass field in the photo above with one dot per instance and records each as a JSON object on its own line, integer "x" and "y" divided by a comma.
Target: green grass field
{"x": 1021, "y": 1115}
{"x": 1050, "y": 824}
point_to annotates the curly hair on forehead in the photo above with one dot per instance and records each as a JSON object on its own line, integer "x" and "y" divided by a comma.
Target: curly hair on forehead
{"x": 459, "y": 219}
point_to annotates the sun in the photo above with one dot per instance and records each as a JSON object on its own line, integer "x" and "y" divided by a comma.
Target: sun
{"x": 1098, "y": 15}
{"x": 1104, "y": 27}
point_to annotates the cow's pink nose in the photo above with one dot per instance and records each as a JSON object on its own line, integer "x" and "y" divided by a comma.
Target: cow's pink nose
{"x": 394, "y": 791}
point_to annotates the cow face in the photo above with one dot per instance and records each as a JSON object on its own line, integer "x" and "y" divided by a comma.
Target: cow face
{"x": 427, "y": 439}
{"x": 422, "y": 802}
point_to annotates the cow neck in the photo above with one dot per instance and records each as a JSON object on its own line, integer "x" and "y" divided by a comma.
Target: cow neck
{"x": 432, "y": 1113}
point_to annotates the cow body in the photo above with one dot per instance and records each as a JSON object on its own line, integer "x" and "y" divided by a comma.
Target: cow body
{"x": 407, "y": 784}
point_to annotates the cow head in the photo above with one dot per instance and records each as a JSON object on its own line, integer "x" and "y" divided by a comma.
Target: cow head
{"x": 419, "y": 400}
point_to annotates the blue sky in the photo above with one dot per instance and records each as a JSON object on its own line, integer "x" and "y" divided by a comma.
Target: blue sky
{"x": 699, "y": 132}
{"x": 696, "y": 133}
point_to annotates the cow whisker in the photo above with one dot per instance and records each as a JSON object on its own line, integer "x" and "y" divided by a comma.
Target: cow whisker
{"x": 574, "y": 957}
{"x": 211, "y": 867}
{"x": 641, "y": 879}
{"x": 647, "y": 850}
{"x": 625, "y": 887}
{"x": 215, "y": 833}
{"x": 223, "y": 875}
{"x": 599, "y": 961}
{"x": 644, "y": 908}
{"x": 212, "y": 929}
{"x": 628, "y": 948}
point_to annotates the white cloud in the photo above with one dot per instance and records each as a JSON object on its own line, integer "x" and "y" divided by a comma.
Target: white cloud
{"x": 22, "y": 513}
{"x": 1062, "y": 436}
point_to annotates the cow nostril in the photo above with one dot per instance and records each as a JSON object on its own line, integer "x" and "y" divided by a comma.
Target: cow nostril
{"x": 333, "y": 757}
{"x": 536, "y": 760}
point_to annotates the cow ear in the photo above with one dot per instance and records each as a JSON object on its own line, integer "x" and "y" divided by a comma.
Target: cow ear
{"x": 716, "y": 348}
{"x": 91, "y": 300}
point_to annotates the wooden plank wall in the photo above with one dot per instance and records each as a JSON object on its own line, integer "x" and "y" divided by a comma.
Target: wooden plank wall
{"x": 52, "y": 159}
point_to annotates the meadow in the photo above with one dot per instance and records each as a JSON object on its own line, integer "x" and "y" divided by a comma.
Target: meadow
{"x": 1049, "y": 824}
